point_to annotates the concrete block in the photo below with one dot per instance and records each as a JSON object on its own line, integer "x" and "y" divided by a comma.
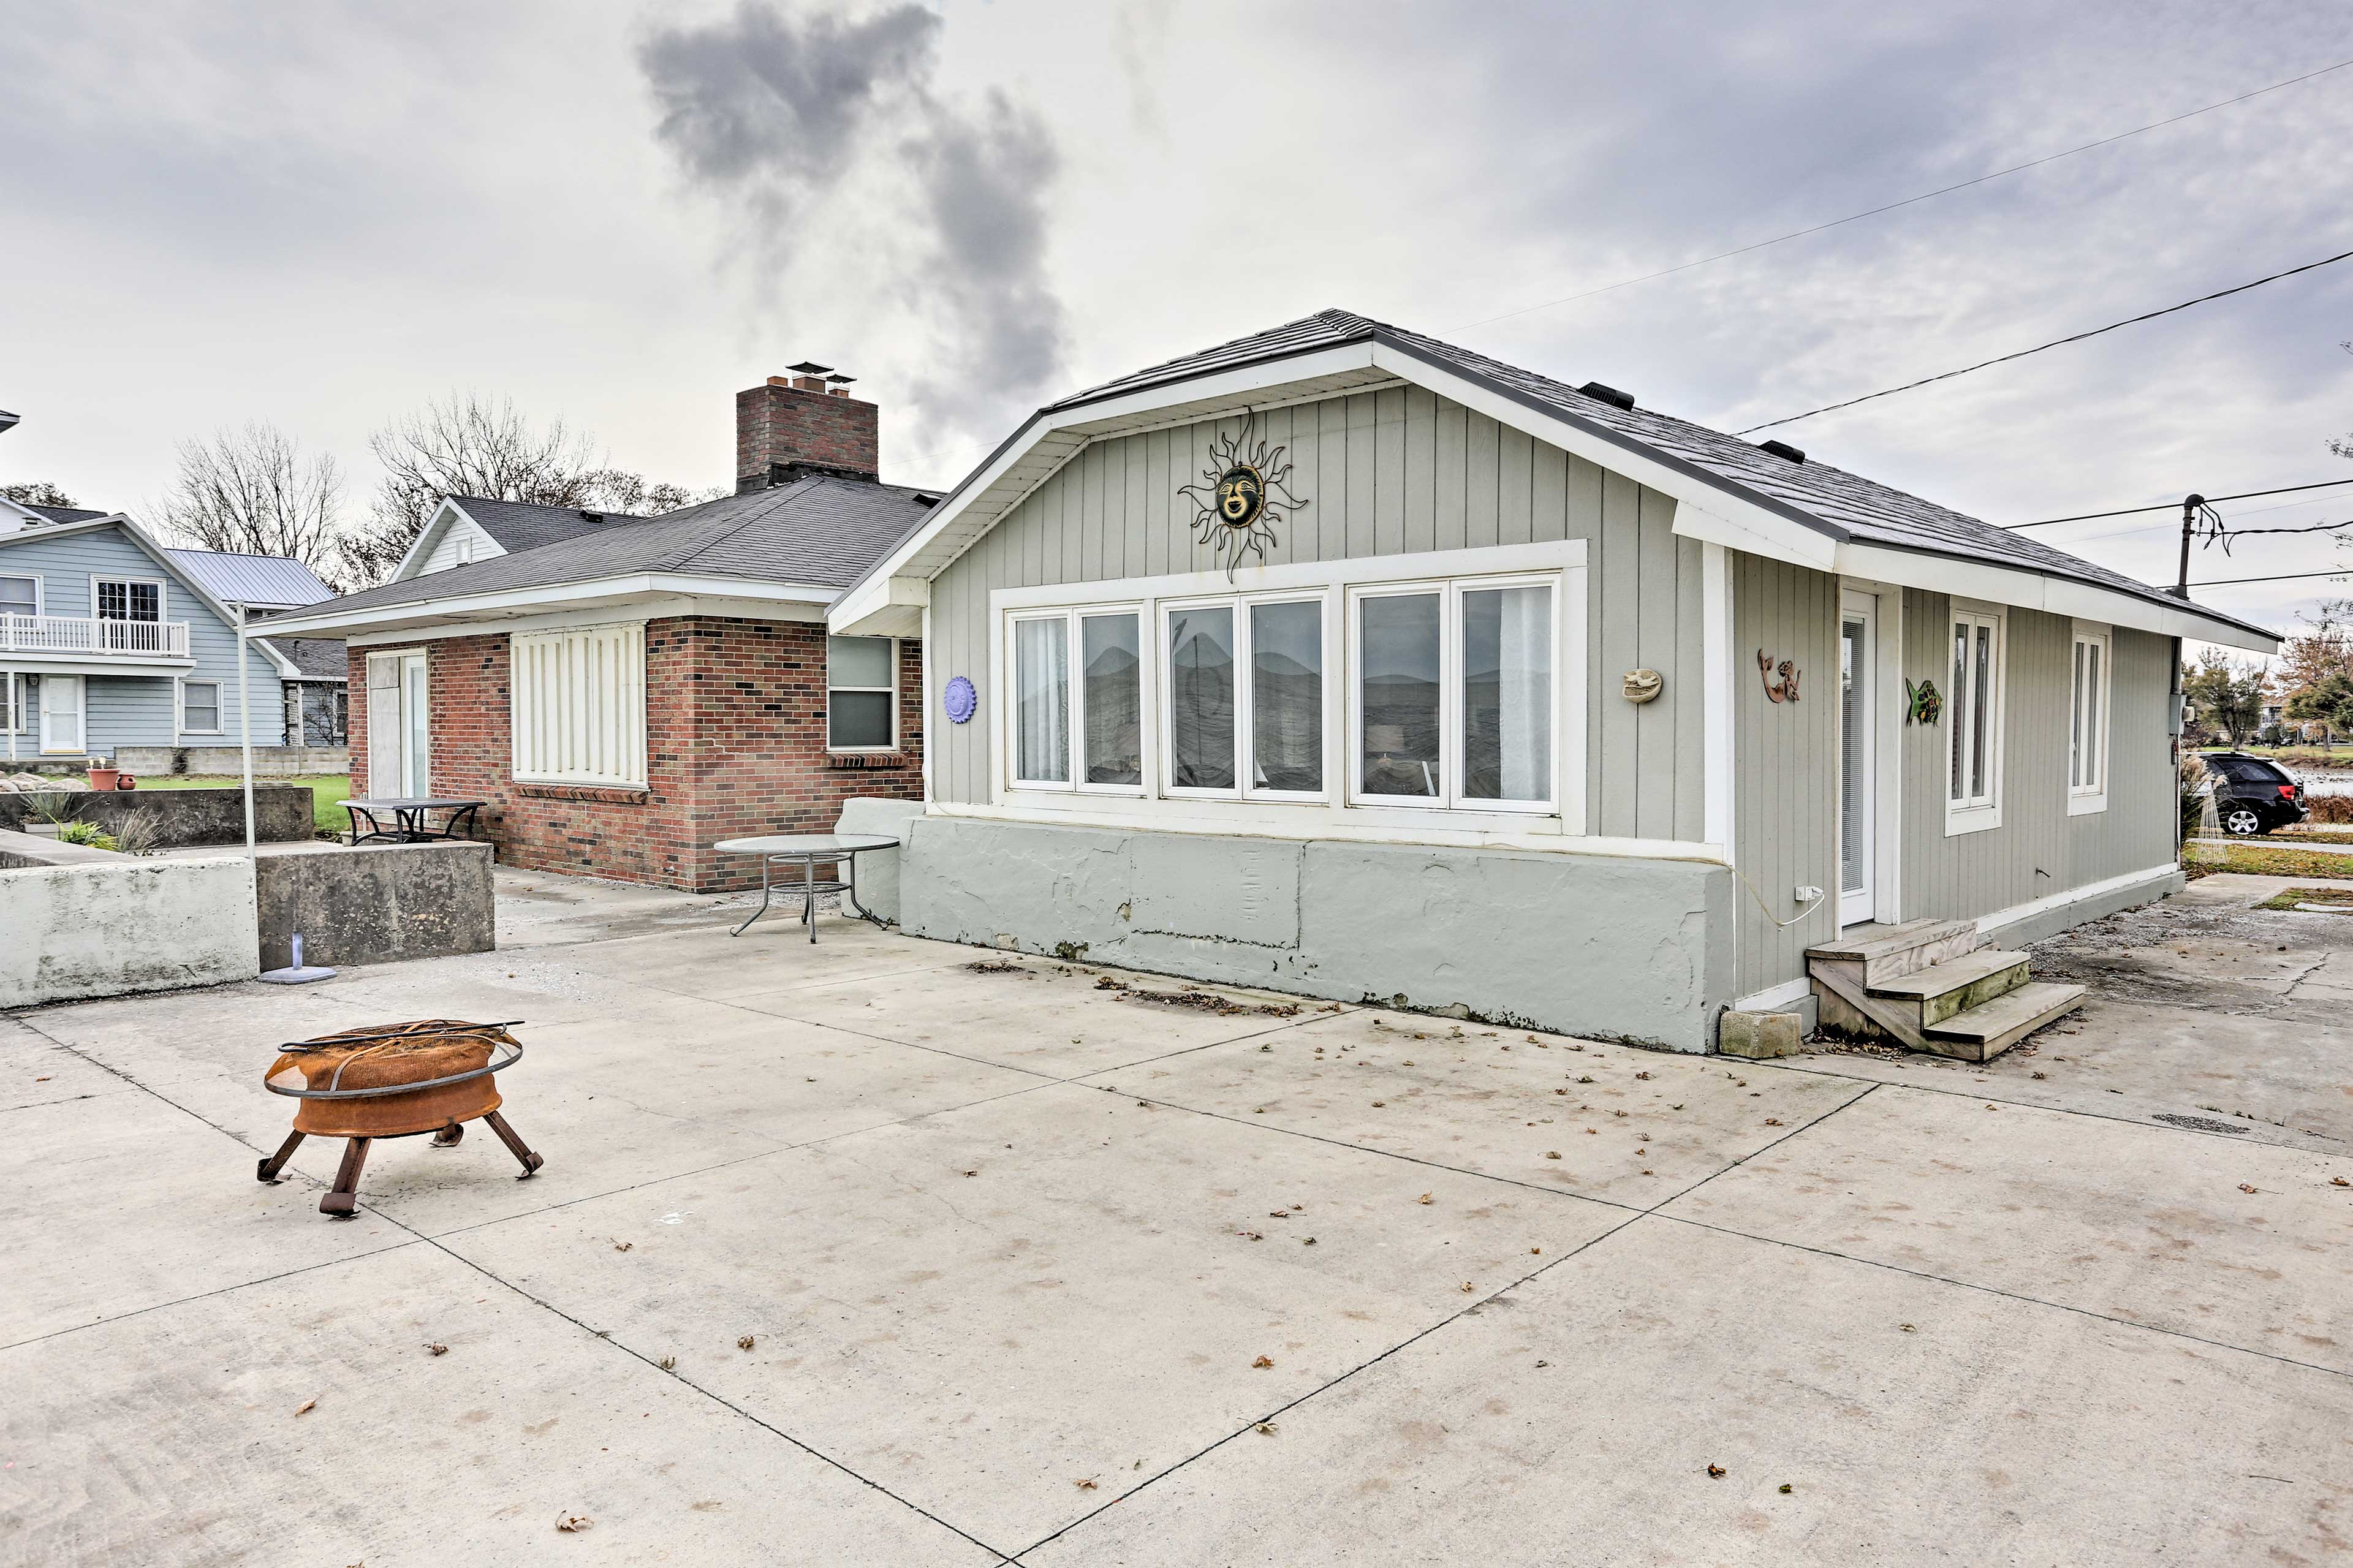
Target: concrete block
{"x": 275, "y": 761}
{"x": 103, "y": 929}
{"x": 376, "y": 903}
{"x": 281, "y": 813}
{"x": 878, "y": 870}
{"x": 1759, "y": 1035}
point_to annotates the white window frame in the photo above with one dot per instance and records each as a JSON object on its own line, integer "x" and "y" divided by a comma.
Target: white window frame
{"x": 1245, "y": 699}
{"x": 163, "y": 594}
{"x": 2083, "y": 799}
{"x": 1009, "y": 740}
{"x": 1559, "y": 564}
{"x": 180, "y": 707}
{"x": 626, "y": 714}
{"x": 38, "y": 587}
{"x": 1077, "y": 718}
{"x": 892, "y": 690}
{"x": 1975, "y": 813}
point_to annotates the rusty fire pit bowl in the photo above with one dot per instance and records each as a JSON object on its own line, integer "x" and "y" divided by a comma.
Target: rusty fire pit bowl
{"x": 393, "y": 1080}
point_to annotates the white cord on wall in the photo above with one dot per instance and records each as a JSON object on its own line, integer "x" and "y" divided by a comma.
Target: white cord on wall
{"x": 1811, "y": 904}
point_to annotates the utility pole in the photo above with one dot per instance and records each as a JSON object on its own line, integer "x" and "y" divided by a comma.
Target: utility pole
{"x": 2189, "y": 506}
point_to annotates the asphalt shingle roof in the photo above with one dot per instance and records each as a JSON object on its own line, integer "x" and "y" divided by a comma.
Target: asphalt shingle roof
{"x": 518, "y": 526}
{"x": 320, "y": 659}
{"x": 1843, "y": 505}
{"x": 67, "y": 514}
{"x": 820, "y": 532}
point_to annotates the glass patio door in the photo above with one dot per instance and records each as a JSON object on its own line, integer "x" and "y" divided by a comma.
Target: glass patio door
{"x": 1857, "y": 756}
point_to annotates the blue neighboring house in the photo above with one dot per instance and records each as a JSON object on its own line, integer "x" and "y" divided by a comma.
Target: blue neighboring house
{"x": 108, "y": 639}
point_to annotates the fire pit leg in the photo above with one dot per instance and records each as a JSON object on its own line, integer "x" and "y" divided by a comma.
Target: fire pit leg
{"x": 449, "y": 1137}
{"x": 515, "y": 1145}
{"x": 342, "y": 1201}
{"x": 267, "y": 1170}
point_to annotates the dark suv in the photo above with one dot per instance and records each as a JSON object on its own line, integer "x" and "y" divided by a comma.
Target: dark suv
{"x": 2251, "y": 794}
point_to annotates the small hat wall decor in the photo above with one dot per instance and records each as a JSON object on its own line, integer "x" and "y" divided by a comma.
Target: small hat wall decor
{"x": 1643, "y": 685}
{"x": 1784, "y": 689}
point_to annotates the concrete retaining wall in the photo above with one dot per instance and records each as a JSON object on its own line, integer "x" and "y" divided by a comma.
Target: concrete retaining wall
{"x": 273, "y": 761}
{"x": 877, "y": 870}
{"x": 1638, "y": 950}
{"x": 281, "y": 813}
{"x": 377, "y": 904}
{"x": 114, "y": 925}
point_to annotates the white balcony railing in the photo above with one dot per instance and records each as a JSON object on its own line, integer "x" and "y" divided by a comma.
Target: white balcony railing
{"x": 64, "y": 634}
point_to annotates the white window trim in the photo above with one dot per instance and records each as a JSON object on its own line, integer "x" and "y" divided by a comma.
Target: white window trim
{"x": 892, "y": 689}
{"x": 631, "y": 713}
{"x": 2083, "y": 800}
{"x": 39, "y": 588}
{"x": 1386, "y": 820}
{"x": 1245, "y": 701}
{"x": 163, "y": 592}
{"x": 1976, "y": 815}
{"x": 180, "y": 707}
{"x": 1074, "y": 663}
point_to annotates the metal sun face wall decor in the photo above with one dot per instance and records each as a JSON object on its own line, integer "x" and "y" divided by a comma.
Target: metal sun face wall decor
{"x": 1242, "y": 494}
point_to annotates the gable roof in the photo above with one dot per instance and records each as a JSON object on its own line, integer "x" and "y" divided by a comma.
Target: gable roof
{"x": 164, "y": 558}
{"x": 815, "y": 535}
{"x": 66, "y": 513}
{"x": 1745, "y": 496}
{"x": 318, "y": 658}
{"x": 257, "y": 582}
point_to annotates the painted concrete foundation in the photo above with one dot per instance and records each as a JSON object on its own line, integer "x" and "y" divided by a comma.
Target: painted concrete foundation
{"x": 2074, "y": 911}
{"x": 879, "y": 869}
{"x": 106, "y": 927}
{"x": 378, "y": 903}
{"x": 1635, "y": 950}
{"x": 276, "y": 761}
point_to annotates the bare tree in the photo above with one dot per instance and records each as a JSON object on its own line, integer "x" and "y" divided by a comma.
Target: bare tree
{"x": 469, "y": 445}
{"x": 252, "y": 491}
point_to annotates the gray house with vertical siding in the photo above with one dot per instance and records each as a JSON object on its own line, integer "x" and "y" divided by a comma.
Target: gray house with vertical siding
{"x": 109, "y": 641}
{"x": 1344, "y": 661}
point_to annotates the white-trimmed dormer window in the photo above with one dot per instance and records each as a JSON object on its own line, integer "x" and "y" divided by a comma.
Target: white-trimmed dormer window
{"x": 1973, "y": 719}
{"x": 2088, "y": 679}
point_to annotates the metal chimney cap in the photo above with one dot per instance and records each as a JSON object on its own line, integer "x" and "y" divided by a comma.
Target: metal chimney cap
{"x": 840, "y": 380}
{"x": 807, "y": 367}
{"x": 8, "y": 421}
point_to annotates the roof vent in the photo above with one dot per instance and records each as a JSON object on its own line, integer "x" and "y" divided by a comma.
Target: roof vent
{"x": 592, "y": 517}
{"x": 1781, "y": 449}
{"x": 1608, "y": 395}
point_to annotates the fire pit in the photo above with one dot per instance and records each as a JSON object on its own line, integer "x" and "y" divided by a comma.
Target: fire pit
{"x": 393, "y": 1080}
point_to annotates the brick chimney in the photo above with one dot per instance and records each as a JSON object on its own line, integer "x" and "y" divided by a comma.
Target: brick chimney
{"x": 791, "y": 427}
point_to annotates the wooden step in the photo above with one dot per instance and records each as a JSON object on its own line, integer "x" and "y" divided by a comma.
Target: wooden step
{"x": 1891, "y": 953}
{"x": 1957, "y": 985}
{"x": 1984, "y": 1032}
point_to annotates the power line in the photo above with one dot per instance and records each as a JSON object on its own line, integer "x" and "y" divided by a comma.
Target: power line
{"x": 2055, "y": 343}
{"x": 2283, "y": 577}
{"x": 2171, "y": 505}
{"x": 1907, "y": 201}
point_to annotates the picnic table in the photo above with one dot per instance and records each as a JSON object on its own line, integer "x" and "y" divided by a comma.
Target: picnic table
{"x": 839, "y": 850}
{"x": 411, "y": 819}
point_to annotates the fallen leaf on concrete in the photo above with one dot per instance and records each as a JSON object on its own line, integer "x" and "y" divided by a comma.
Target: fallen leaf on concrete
{"x": 1772, "y": 1121}
{"x": 436, "y": 1350}
{"x": 1593, "y": 1131}
{"x": 669, "y": 1364}
{"x": 1586, "y": 1079}
{"x": 972, "y": 1172}
{"x": 1675, "y": 1108}
{"x": 1646, "y": 1172}
{"x": 1907, "y": 1327}
{"x": 1468, "y": 1286}
{"x": 1560, "y": 1091}
{"x": 2040, "y": 1074}
{"x": 2244, "y": 1188}
{"x": 1308, "y": 1241}
{"x": 1087, "y": 1485}
{"x": 1552, "y": 1153}
{"x": 2339, "y": 1182}
{"x": 1538, "y": 1250}
{"x": 1544, "y": 1364}
{"x": 308, "y": 1406}
{"x": 1252, "y": 1234}
{"x": 1617, "y": 1113}
{"x": 1265, "y": 1428}
{"x": 1785, "y": 1486}
{"x": 1263, "y": 1361}
{"x": 1378, "y": 1103}
{"x": 1641, "y": 1075}
{"x": 746, "y": 1342}
{"x": 572, "y": 1523}
{"x": 1715, "y": 1471}
{"x": 43, "y": 1079}
{"x": 623, "y": 1246}
{"x": 1278, "y": 1213}
{"x": 1424, "y": 1198}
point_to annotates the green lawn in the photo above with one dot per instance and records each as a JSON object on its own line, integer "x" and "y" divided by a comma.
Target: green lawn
{"x": 328, "y": 792}
{"x": 2262, "y": 860}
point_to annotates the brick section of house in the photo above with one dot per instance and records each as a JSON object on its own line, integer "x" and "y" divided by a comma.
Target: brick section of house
{"x": 735, "y": 746}
{"x": 777, "y": 426}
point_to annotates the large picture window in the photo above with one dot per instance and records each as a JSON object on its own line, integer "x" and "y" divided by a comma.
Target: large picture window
{"x": 579, "y": 706}
{"x": 2087, "y": 729}
{"x": 862, "y": 694}
{"x": 1973, "y": 756}
{"x": 1342, "y": 691}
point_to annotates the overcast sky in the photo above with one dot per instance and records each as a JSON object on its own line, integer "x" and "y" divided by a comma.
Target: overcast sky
{"x": 322, "y": 214}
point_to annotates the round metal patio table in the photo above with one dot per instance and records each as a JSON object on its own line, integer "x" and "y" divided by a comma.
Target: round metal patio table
{"x": 806, "y": 850}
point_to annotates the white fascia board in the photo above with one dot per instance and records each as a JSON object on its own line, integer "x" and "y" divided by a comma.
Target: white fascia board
{"x": 505, "y": 604}
{"x": 1704, "y": 509}
{"x": 2033, "y": 590}
{"x": 82, "y": 664}
{"x": 897, "y": 609}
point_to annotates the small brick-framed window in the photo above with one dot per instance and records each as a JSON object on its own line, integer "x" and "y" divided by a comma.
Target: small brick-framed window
{"x": 862, "y": 694}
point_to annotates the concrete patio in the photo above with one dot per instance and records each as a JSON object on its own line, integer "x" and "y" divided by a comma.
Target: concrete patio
{"x": 1036, "y": 1268}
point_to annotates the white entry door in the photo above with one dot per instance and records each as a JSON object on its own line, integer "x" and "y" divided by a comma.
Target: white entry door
{"x": 399, "y": 756}
{"x": 61, "y": 710}
{"x": 1858, "y": 755}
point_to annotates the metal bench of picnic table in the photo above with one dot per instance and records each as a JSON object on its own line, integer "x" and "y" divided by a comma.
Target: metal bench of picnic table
{"x": 410, "y": 823}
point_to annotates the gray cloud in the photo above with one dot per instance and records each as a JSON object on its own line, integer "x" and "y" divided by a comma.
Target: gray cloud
{"x": 787, "y": 118}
